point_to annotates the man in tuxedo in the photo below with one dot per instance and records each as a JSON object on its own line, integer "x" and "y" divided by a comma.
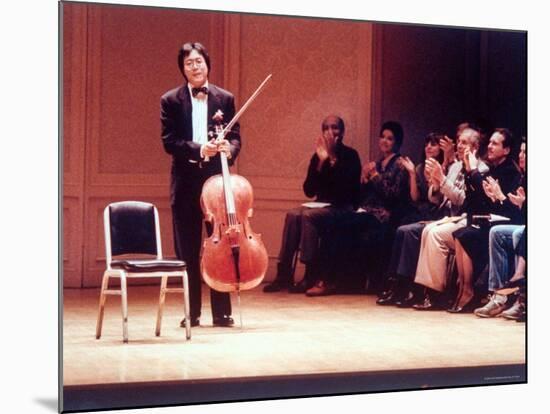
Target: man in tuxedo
{"x": 186, "y": 121}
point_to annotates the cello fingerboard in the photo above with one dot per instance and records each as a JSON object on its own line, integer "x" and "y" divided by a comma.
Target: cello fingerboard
{"x": 228, "y": 191}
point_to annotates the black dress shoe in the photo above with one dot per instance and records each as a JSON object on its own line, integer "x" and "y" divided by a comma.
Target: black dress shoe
{"x": 387, "y": 298}
{"x": 427, "y": 305}
{"x": 194, "y": 322}
{"x": 389, "y": 289}
{"x": 408, "y": 301}
{"x": 224, "y": 321}
{"x": 385, "y": 294}
{"x": 276, "y": 286}
{"x": 300, "y": 287}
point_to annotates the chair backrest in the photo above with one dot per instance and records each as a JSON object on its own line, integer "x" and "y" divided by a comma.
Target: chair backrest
{"x": 131, "y": 227}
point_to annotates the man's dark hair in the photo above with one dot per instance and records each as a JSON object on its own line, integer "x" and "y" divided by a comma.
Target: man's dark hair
{"x": 186, "y": 50}
{"x": 508, "y": 141}
{"x": 397, "y": 131}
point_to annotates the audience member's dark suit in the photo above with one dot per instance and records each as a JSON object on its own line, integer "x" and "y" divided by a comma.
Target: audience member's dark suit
{"x": 189, "y": 172}
{"x": 336, "y": 184}
{"x": 475, "y": 239}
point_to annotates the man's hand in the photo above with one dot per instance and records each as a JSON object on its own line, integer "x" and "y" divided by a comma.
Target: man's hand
{"x": 209, "y": 149}
{"x": 224, "y": 146}
{"x": 470, "y": 160}
{"x": 488, "y": 191}
{"x": 321, "y": 149}
{"x": 492, "y": 189}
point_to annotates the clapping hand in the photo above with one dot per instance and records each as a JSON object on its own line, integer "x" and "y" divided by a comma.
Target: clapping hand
{"x": 488, "y": 191}
{"x": 435, "y": 171}
{"x": 470, "y": 159}
{"x": 368, "y": 171}
{"x": 408, "y": 165}
{"x": 321, "y": 148}
{"x": 519, "y": 198}
{"x": 492, "y": 189}
{"x": 448, "y": 147}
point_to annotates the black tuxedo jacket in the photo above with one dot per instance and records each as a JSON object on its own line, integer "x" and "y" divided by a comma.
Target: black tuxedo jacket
{"x": 189, "y": 171}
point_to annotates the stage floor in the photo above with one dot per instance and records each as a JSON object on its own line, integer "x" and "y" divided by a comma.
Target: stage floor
{"x": 282, "y": 334}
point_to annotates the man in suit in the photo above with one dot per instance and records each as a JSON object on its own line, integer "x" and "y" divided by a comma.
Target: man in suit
{"x": 186, "y": 118}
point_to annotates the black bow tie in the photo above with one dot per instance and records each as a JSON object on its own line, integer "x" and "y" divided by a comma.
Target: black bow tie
{"x": 202, "y": 89}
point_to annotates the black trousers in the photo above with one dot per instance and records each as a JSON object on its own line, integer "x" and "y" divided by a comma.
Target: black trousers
{"x": 187, "y": 225}
{"x": 352, "y": 246}
{"x": 302, "y": 231}
{"x": 405, "y": 251}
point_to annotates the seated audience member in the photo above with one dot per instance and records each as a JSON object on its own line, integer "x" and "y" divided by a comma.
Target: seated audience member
{"x": 423, "y": 208}
{"x": 436, "y": 240}
{"x": 518, "y": 311}
{"x": 503, "y": 241}
{"x": 406, "y": 244}
{"x": 447, "y": 194}
{"x": 385, "y": 200}
{"x": 332, "y": 177}
{"x": 471, "y": 241}
{"x": 448, "y": 145}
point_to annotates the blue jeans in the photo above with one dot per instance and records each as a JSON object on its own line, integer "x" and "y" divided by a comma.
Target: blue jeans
{"x": 503, "y": 240}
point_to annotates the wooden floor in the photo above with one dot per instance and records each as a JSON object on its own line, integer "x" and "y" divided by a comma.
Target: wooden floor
{"x": 282, "y": 334}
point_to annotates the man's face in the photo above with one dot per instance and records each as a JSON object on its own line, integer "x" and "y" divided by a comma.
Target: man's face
{"x": 466, "y": 139}
{"x": 195, "y": 69}
{"x": 331, "y": 131}
{"x": 496, "y": 153}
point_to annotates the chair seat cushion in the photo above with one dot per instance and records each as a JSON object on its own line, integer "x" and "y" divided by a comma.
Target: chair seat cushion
{"x": 149, "y": 265}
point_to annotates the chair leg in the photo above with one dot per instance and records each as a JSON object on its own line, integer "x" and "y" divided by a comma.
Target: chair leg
{"x": 101, "y": 310}
{"x": 124, "y": 303}
{"x": 162, "y": 298}
{"x": 186, "y": 305}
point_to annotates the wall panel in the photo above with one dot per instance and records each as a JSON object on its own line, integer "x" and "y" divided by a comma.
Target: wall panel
{"x": 319, "y": 67}
{"x": 73, "y": 141}
{"x": 127, "y": 60}
{"x": 118, "y": 61}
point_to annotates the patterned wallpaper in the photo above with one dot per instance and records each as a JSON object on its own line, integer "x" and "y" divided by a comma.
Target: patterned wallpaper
{"x": 315, "y": 73}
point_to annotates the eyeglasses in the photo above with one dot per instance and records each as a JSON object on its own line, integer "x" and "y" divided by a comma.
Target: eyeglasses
{"x": 190, "y": 64}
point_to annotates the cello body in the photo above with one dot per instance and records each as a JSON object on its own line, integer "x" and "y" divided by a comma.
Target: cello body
{"x": 233, "y": 258}
{"x": 220, "y": 268}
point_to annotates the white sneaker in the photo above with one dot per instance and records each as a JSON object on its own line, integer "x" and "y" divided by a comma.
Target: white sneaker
{"x": 515, "y": 311}
{"x": 493, "y": 308}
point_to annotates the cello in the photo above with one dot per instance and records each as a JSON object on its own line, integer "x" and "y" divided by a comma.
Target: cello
{"x": 234, "y": 258}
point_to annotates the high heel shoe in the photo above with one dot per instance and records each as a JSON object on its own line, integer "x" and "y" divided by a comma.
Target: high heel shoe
{"x": 468, "y": 307}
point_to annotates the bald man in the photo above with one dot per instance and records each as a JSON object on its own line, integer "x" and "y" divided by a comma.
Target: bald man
{"x": 333, "y": 177}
